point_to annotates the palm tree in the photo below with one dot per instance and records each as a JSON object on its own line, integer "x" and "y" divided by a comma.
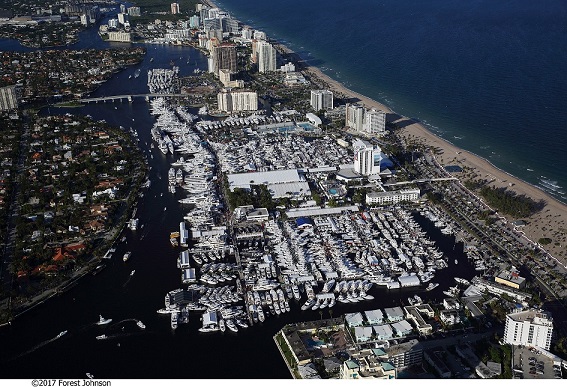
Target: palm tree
{"x": 321, "y": 314}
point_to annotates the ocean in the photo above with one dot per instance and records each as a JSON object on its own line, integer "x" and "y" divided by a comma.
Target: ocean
{"x": 28, "y": 349}
{"x": 488, "y": 76}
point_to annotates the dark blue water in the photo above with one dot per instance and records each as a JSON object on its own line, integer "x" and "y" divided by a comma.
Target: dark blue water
{"x": 489, "y": 76}
{"x": 26, "y": 350}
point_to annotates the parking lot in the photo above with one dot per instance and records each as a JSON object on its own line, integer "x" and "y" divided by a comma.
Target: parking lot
{"x": 534, "y": 365}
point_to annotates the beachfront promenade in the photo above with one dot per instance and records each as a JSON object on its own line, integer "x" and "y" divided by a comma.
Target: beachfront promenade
{"x": 128, "y": 97}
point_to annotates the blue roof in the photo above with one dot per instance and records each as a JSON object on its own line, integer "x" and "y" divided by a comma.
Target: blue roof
{"x": 303, "y": 221}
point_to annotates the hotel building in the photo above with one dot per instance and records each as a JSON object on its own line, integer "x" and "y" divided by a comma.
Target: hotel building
{"x": 532, "y": 328}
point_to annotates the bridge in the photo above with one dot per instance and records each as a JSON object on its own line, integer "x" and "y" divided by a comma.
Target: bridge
{"x": 420, "y": 181}
{"x": 128, "y": 97}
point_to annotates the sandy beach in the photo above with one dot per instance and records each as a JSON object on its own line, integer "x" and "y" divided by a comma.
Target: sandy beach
{"x": 550, "y": 222}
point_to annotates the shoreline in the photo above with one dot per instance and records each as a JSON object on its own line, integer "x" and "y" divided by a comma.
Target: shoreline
{"x": 549, "y": 222}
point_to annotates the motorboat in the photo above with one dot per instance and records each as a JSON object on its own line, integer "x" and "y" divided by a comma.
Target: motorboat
{"x": 141, "y": 325}
{"x": 222, "y": 325}
{"x": 431, "y": 286}
{"x": 61, "y": 334}
{"x": 102, "y": 337}
{"x": 126, "y": 256}
{"x": 103, "y": 321}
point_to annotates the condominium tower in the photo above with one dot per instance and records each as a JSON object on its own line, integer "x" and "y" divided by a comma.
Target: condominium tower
{"x": 321, "y": 100}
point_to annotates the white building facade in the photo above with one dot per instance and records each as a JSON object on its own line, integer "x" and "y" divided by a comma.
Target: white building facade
{"x": 266, "y": 57}
{"x": 237, "y": 101}
{"x": 321, "y": 100}
{"x": 367, "y": 158}
{"x": 355, "y": 117}
{"x": 533, "y": 328}
{"x": 375, "y": 122}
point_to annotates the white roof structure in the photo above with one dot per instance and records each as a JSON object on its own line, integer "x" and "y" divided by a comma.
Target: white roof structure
{"x": 353, "y": 319}
{"x": 280, "y": 183}
{"x": 402, "y": 327}
{"x": 245, "y": 180}
{"x": 383, "y": 332}
{"x": 317, "y": 211}
{"x": 394, "y": 314}
{"x": 362, "y": 333}
{"x": 374, "y": 316}
{"x": 210, "y": 318}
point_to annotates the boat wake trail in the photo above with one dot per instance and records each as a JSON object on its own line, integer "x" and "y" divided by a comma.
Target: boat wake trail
{"x": 40, "y": 345}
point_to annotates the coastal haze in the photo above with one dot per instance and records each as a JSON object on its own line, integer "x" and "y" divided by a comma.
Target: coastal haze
{"x": 487, "y": 76}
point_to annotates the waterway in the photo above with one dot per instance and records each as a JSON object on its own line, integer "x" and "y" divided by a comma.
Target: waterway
{"x": 27, "y": 349}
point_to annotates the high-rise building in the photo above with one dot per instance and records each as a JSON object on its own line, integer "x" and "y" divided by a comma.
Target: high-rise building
{"x": 367, "y": 158}
{"x": 134, "y": 11}
{"x": 531, "y": 327}
{"x": 375, "y": 122}
{"x": 123, "y": 18}
{"x": 194, "y": 21}
{"x": 8, "y": 98}
{"x": 266, "y": 57}
{"x": 223, "y": 56}
{"x": 321, "y": 100}
{"x": 355, "y": 117}
{"x": 233, "y": 101}
{"x": 174, "y": 8}
{"x": 246, "y": 33}
{"x": 122, "y": 8}
{"x": 259, "y": 35}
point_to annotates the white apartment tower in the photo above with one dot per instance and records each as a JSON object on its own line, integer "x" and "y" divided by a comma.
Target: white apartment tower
{"x": 355, "y": 117}
{"x": 531, "y": 327}
{"x": 266, "y": 57}
{"x": 367, "y": 158}
{"x": 321, "y": 100}
{"x": 233, "y": 101}
{"x": 174, "y": 8}
{"x": 375, "y": 122}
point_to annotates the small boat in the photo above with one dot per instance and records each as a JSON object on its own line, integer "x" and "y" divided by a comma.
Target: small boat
{"x": 90, "y": 376}
{"x": 132, "y": 272}
{"x": 61, "y": 334}
{"x": 126, "y": 256}
{"x": 102, "y": 337}
{"x": 222, "y": 325}
{"x": 103, "y": 321}
{"x": 456, "y": 262}
{"x": 141, "y": 325}
{"x": 431, "y": 286}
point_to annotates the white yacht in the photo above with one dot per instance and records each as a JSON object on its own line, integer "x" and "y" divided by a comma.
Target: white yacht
{"x": 103, "y": 321}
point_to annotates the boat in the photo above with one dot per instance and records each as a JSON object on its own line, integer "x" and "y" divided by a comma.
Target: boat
{"x": 431, "y": 286}
{"x": 462, "y": 281}
{"x": 141, "y": 324}
{"x": 126, "y": 256}
{"x": 103, "y": 321}
{"x": 132, "y": 272}
{"x": 456, "y": 262}
{"x": 231, "y": 325}
{"x": 61, "y": 334}
{"x": 137, "y": 73}
{"x": 174, "y": 320}
{"x": 222, "y": 325}
{"x": 102, "y": 337}
{"x": 89, "y": 375}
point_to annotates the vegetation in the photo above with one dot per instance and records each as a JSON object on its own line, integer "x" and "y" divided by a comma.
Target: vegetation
{"x": 510, "y": 203}
{"x": 544, "y": 241}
